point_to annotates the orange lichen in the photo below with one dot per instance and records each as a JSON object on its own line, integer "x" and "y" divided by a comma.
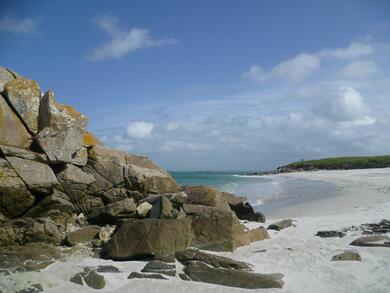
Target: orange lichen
{"x": 71, "y": 111}
{"x": 90, "y": 140}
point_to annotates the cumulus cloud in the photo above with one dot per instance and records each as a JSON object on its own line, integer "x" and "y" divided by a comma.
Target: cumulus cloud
{"x": 139, "y": 129}
{"x": 26, "y": 26}
{"x": 123, "y": 41}
{"x": 340, "y": 110}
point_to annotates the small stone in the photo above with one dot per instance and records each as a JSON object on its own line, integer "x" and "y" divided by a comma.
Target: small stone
{"x": 143, "y": 209}
{"x": 347, "y": 255}
{"x": 136, "y": 275}
{"x": 97, "y": 243}
{"x": 328, "y": 234}
{"x": 280, "y": 225}
{"x": 94, "y": 280}
{"x": 106, "y": 232}
{"x": 77, "y": 279}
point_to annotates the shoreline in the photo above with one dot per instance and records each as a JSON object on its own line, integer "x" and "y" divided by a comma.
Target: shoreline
{"x": 303, "y": 258}
{"x": 327, "y": 192}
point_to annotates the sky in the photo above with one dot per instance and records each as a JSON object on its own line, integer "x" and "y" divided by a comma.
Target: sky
{"x": 213, "y": 85}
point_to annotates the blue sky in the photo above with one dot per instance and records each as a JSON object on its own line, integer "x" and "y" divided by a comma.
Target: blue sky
{"x": 213, "y": 85}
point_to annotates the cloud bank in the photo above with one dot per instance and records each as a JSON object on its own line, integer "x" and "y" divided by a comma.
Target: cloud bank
{"x": 333, "y": 102}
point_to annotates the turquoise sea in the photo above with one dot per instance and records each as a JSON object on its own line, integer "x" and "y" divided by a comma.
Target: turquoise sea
{"x": 266, "y": 193}
{"x": 255, "y": 188}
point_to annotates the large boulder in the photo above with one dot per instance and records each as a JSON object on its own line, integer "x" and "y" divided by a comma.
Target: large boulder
{"x": 61, "y": 130}
{"x": 221, "y": 231}
{"x": 112, "y": 212}
{"x": 39, "y": 177}
{"x": 24, "y": 96}
{"x": 15, "y": 198}
{"x": 12, "y": 130}
{"x": 149, "y": 237}
{"x": 207, "y": 196}
{"x": 116, "y": 169}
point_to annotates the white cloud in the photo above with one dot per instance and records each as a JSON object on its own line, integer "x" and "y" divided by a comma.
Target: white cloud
{"x": 335, "y": 112}
{"x": 303, "y": 65}
{"x": 124, "y": 41}
{"x": 25, "y": 26}
{"x": 298, "y": 68}
{"x": 359, "y": 69}
{"x": 139, "y": 129}
{"x": 355, "y": 50}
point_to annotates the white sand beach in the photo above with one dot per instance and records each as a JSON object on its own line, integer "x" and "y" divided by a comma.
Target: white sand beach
{"x": 361, "y": 196}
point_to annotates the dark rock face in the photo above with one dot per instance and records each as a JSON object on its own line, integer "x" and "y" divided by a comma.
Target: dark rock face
{"x": 280, "y": 225}
{"x": 201, "y": 272}
{"x": 149, "y": 237}
{"x": 328, "y": 234}
{"x": 242, "y": 208}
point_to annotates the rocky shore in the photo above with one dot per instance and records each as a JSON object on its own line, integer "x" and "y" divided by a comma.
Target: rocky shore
{"x": 60, "y": 187}
{"x": 77, "y": 216}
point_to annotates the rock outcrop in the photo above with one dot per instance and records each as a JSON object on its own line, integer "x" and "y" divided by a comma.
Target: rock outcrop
{"x": 56, "y": 179}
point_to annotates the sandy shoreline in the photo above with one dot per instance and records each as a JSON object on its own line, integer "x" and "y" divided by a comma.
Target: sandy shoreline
{"x": 328, "y": 192}
{"x": 360, "y": 196}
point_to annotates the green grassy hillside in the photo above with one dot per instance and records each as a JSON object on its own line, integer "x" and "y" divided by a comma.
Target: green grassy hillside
{"x": 339, "y": 163}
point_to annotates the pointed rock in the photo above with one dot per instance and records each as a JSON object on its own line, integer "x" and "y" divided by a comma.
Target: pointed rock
{"x": 61, "y": 130}
{"x": 24, "y": 95}
{"x": 12, "y": 130}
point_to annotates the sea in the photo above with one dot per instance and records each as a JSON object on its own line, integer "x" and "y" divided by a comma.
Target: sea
{"x": 266, "y": 193}
{"x": 256, "y": 188}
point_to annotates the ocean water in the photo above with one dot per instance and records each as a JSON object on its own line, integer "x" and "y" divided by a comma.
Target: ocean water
{"x": 255, "y": 188}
